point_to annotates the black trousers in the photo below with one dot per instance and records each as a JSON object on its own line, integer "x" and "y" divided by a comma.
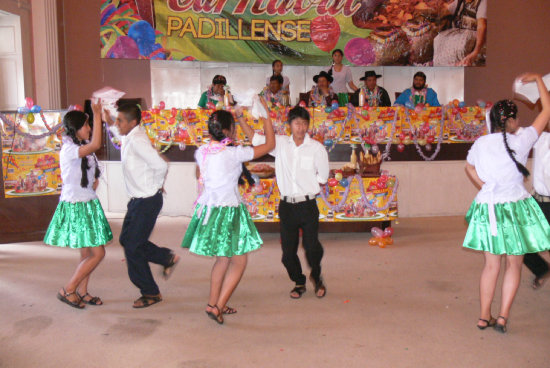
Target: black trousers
{"x": 296, "y": 216}
{"x": 534, "y": 262}
{"x": 134, "y": 237}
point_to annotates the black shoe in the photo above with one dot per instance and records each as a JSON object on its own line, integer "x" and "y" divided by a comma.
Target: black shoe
{"x": 499, "y": 327}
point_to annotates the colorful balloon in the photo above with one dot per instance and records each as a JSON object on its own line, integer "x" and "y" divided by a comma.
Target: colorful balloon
{"x": 344, "y": 182}
{"x": 29, "y": 103}
{"x": 373, "y": 241}
{"x": 162, "y": 105}
{"x": 400, "y": 147}
{"x": 335, "y": 105}
{"x": 388, "y": 231}
{"x": 36, "y": 109}
{"x": 338, "y": 176}
{"x": 376, "y": 232}
{"x": 332, "y": 182}
{"x": 30, "y": 118}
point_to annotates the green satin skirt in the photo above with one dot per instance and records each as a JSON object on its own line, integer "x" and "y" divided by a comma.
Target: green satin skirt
{"x": 79, "y": 225}
{"x": 221, "y": 231}
{"x": 521, "y": 228}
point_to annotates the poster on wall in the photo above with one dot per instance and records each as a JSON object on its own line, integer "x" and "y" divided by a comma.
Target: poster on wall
{"x": 30, "y": 154}
{"x": 370, "y": 32}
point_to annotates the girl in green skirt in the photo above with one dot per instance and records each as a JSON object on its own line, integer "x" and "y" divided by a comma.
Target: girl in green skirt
{"x": 221, "y": 226}
{"x": 504, "y": 220}
{"x": 79, "y": 221}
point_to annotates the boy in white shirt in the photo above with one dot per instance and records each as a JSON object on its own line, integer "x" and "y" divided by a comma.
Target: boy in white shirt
{"x": 144, "y": 172}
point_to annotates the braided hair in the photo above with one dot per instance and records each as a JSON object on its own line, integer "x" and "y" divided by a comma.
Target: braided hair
{"x": 500, "y": 113}
{"x": 223, "y": 120}
{"x": 72, "y": 122}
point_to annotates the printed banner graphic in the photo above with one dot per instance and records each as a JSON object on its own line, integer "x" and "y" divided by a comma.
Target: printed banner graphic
{"x": 30, "y": 154}
{"x": 298, "y": 32}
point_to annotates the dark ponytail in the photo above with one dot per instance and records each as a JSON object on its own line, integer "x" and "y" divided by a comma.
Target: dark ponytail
{"x": 500, "y": 113}
{"x": 223, "y": 120}
{"x": 72, "y": 122}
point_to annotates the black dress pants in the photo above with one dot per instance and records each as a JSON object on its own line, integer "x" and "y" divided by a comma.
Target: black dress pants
{"x": 134, "y": 237}
{"x": 296, "y": 216}
{"x": 534, "y": 262}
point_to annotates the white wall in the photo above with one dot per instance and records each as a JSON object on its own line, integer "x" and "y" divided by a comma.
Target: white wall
{"x": 12, "y": 82}
{"x": 180, "y": 84}
{"x": 438, "y": 188}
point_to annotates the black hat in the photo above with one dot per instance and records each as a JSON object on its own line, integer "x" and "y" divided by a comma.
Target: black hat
{"x": 370, "y": 73}
{"x": 323, "y": 74}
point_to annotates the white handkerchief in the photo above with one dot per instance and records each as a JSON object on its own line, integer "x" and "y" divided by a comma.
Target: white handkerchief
{"x": 245, "y": 98}
{"x": 257, "y": 109}
{"x": 530, "y": 90}
{"x": 109, "y": 96}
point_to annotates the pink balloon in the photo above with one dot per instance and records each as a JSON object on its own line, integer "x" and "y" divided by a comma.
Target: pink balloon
{"x": 162, "y": 105}
{"x": 388, "y": 231}
{"x": 29, "y": 102}
{"x": 376, "y": 232}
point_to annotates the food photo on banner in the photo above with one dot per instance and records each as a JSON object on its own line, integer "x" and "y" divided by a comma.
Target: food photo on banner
{"x": 371, "y": 32}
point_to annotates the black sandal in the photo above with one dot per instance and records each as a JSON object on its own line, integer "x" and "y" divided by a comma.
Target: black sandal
{"x": 298, "y": 289}
{"x": 147, "y": 301}
{"x": 490, "y": 323}
{"x": 226, "y": 310}
{"x": 64, "y": 298}
{"x": 319, "y": 285}
{"x": 216, "y": 317}
{"x": 168, "y": 269}
{"x": 499, "y": 327}
{"x": 94, "y": 300}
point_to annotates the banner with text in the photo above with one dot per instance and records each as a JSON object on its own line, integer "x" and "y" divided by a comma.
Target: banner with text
{"x": 298, "y": 32}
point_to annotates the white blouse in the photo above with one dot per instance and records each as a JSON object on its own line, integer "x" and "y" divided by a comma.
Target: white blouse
{"x": 341, "y": 79}
{"x": 503, "y": 181}
{"x": 71, "y": 174}
{"x": 220, "y": 174}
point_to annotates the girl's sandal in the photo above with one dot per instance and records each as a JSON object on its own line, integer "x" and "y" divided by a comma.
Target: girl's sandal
{"x": 490, "y": 323}
{"x": 500, "y": 327}
{"x": 298, "y": 291}
{"x": 228, "y": 310}
{"x": 216, "y": 317}
{"x": 94, "y": 300}
{"x": 65, "y": 299}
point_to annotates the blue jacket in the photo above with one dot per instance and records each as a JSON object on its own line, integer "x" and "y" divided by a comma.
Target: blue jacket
{"x": 431, "y": 97}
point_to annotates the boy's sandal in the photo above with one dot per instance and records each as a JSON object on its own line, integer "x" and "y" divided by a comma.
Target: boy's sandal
{"x": 145, "y": 301}
{"x": 94, "y": 300}
{"x": 490, "y": 323}
{"x": 298, "y": 291}
{"x": 64, "y": 298}
{"x": 216, "y": 317}
{"x": 499, "y": 327}
{"x": 168, "y": 269}
{"x": 319, "y": 286}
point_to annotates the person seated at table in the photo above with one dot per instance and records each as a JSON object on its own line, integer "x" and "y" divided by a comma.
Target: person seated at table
{"x": 274, "y": 93}
{"x": 215, "y": 92}
{"x": 321, "y": 93}
{"x": 418, "y": 94}
{"x": 277, "y": 69}
{"x": 374, "y": 94}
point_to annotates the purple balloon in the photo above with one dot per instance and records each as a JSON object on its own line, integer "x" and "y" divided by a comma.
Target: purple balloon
{"x": 359, "y": 51}
{"x": 377, "y": 232}
{"x": 124, "y": 48}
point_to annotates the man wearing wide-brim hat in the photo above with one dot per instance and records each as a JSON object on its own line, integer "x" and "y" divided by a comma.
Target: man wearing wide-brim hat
{"x": 374, "y": 94}
{"x": 321, "y": 93}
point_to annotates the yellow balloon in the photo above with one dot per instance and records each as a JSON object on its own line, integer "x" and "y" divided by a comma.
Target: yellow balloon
{"x": 30, "y": 118}
{"x": 338, "y": 176}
